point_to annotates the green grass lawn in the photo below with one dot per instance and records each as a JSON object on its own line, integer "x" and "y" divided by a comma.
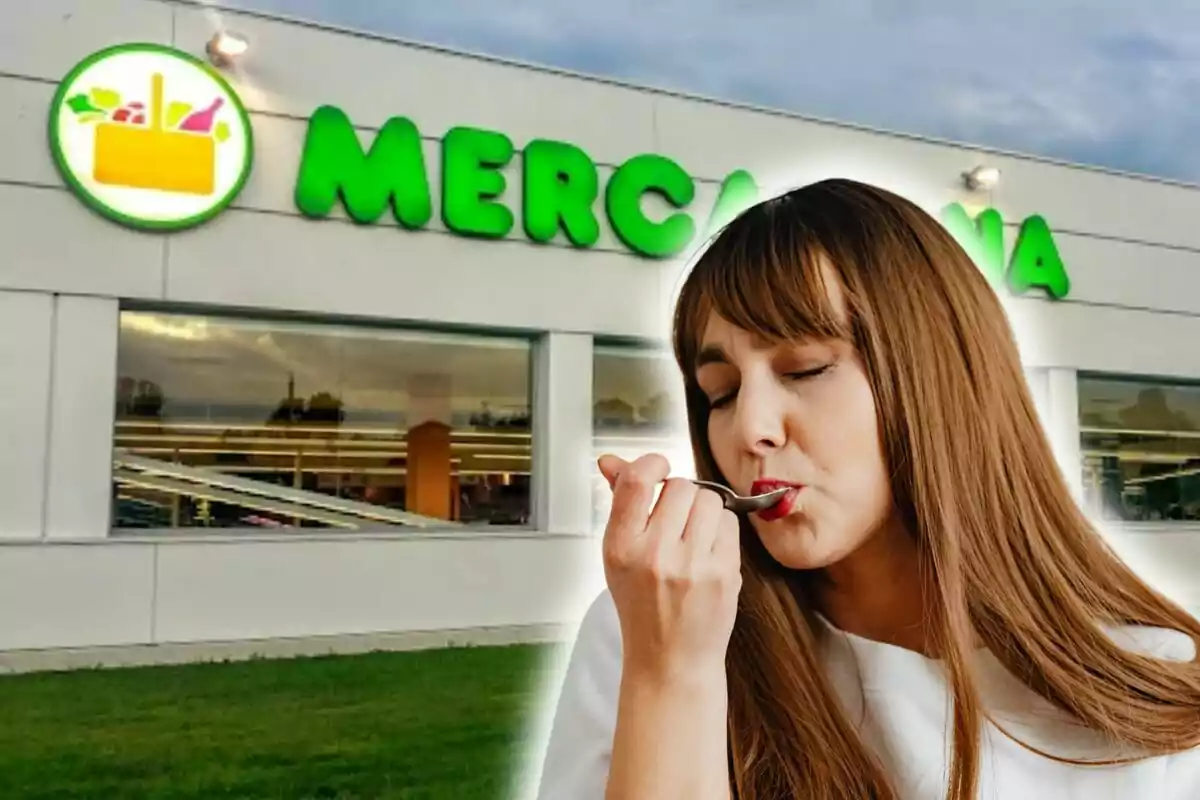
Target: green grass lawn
{"x": 434, "y": 725}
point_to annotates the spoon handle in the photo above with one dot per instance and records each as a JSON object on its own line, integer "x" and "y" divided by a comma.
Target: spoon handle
{"x": 740, "y": 504}
{"x": 726, "y": 493}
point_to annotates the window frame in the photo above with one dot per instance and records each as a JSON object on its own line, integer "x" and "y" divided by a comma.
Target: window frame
{"x": 437, "y": 331}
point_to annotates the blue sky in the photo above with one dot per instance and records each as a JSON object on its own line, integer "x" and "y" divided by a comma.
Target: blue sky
{"x": 1104, "y": 82}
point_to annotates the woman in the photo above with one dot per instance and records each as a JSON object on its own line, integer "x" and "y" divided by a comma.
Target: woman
{"x": 927, "y": 614}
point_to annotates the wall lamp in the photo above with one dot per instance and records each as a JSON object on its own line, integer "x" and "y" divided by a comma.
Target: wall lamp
{"x": 224, "y": 48}
{"x": 981, "y": 178}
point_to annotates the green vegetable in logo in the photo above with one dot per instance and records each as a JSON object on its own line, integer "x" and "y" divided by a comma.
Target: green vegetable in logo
{"x": 81, "y": 104}
{"x": 176, "y": 112}
{"x": 106, "y": 99}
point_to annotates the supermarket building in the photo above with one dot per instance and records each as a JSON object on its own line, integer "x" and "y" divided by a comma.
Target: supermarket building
{"x": 264, "y": 388}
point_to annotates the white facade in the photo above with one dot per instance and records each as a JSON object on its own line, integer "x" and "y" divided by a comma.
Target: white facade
{"x": 67, "y": 580}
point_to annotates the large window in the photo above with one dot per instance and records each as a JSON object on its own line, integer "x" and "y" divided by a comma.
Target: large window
{"x": 224, "y": 422}
{"x": 638, "y": 408}
{"x": 1141, "y": 448}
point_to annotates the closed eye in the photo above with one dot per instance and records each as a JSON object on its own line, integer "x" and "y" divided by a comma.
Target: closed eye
{"x": 722, "y": 401}
{"x": 808, "y": 373}
{"x": 726, "y": 399}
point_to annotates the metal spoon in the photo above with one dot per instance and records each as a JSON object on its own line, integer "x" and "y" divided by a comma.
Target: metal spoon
{"x": 748, "y": 504}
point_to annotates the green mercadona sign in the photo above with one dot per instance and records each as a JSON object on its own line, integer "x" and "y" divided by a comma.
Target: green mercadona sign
{"x": 155, "y": 139}
{"x": 561, "y": 195}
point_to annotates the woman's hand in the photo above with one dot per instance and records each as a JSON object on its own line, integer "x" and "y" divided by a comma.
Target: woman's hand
{"x": 674, "y": 572}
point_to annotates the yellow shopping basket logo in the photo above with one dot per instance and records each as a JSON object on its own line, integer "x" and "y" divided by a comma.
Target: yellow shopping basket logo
{"x": 154, "y": 158}
{"x": 151, "y": 136}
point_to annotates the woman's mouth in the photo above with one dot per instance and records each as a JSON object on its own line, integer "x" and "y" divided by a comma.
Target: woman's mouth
{"x": 785, "y": 504}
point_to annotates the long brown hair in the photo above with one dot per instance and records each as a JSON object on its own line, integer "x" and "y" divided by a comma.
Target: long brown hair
{"x": 1007, "y": 556}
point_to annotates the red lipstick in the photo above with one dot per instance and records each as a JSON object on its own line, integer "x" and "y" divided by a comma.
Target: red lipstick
{"x": 785, "y": 505}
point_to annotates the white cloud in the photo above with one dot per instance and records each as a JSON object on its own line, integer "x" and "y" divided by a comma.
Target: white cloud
{"x": 1103, "y": 81}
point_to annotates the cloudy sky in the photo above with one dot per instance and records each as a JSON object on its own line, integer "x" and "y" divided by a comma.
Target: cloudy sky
{"x": 1114, "y": 83}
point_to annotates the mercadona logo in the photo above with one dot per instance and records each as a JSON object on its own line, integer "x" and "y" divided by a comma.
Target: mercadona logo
{"x": 151, "y": 137}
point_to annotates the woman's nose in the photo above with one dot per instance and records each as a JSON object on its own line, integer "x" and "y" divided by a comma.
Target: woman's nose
{"x": 760, "y": 421}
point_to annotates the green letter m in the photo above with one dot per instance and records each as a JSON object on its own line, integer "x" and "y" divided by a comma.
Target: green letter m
{"x": 334, "y": 165}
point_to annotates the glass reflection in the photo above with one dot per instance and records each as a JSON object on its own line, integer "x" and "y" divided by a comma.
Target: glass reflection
{"x": 638, "y": 408}
{"x": 1141, "y": 448}
{"x": 231, "y": 423}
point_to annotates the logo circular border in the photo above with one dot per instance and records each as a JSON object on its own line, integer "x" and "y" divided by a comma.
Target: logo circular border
{"x": 93, "y": 202}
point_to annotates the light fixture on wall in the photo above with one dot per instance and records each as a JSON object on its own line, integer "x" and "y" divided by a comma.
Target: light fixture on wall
{"x": 225, "y": 47}
{"x": 981, "y": 178}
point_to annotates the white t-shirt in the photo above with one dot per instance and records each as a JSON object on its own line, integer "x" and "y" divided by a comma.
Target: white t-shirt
{"x": 902, "y": 701}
